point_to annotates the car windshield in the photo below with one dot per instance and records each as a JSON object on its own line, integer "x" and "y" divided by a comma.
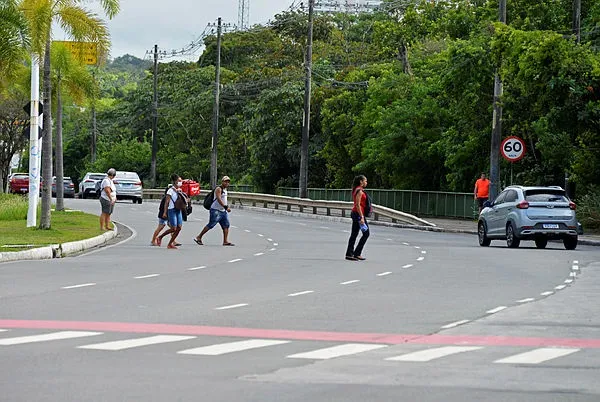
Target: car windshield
{"x": 545, "y": 196}
{"x": 20, "y": 176}
{"x": 97, "y": 176}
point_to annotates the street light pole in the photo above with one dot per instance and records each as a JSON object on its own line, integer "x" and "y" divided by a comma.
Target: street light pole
{"x": 303, "y": 185}
{"x": 215, "y": 133}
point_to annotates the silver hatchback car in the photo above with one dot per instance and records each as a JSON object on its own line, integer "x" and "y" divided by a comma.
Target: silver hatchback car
{"x": 529, "y": 213}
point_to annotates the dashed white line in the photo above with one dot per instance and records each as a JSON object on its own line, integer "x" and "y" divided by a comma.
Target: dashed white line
{"x": 390, "y": 239}
{"x": 83, "y": 285}
{"x": 232, "y": 306}
{"x": 147, "y": 276}
{"x": 273, "y": 249}
{"x": 408, "y": 266}
{"x": 547, "y": 293}
{"x": 573, "y": 274}
{"x": 276, "y": 244}
{"x": 306, "y": 292}
{"x": 406, "y": 244}
{"x": 269, "y": 239}
{"x": 384, "y": 274}
{"x": 569, "y": 281}
{"x": 235, "y": 260}
{"x": 196, "y": 268}
{"x": 423, "y": 252}
{"x": 260, "y": 235}
{"x": 247, "y": 231}
{"x": 417, "y": 247}
{"x": 529, "y": 299}
{"x": 259, "y": 254}
{"x": 420, "y": 258}
{"x": 575, "y": 267}
{"x": 350, "y": 282}
{"x": 323, "y": 227}
{"x": 496, "y": 310}
{"x": 560, "y": 287}
{"x": 575, "y": 262}
{"x": 455, "y": 324}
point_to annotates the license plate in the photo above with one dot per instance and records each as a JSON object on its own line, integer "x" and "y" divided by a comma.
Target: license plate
{"x": 550, "y": 226}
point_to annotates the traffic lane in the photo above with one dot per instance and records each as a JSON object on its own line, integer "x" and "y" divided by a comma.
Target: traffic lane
{"x": 192, "y": 295}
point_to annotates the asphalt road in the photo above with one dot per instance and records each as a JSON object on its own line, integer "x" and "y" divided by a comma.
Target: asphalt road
{"x": 283, "y": 317}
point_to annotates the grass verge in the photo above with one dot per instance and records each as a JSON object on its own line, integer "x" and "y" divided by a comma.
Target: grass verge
{"x": 66, "y": 226}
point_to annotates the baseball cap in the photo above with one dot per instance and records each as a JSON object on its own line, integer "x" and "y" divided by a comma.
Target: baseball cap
{"x": 225, "y": 178}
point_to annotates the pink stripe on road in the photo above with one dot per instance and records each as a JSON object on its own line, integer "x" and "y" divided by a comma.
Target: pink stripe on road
{"x": 388, "y": 339}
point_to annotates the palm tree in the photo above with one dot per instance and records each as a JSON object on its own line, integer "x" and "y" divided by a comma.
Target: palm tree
{"x": 78, "y": 23}
{"x": 15, "y": 39}
{"x": 79, "y": 84}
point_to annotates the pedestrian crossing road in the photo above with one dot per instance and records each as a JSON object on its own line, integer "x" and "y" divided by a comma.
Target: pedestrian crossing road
{"x": 216, "y": 346}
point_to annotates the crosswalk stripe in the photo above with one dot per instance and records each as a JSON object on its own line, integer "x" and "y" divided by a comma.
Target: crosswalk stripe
{"x": 537, "y": 356}
{"x": 54, "y": 336}
{"x": 336, "y": 351}
{"x": 134, "y": 343}
{"x": 231, "y": 347}
{"x": 432, "y": 354}
{"x": 3, "y": 330}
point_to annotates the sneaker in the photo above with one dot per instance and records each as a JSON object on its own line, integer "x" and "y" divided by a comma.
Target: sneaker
{"x": 351, "y": 258}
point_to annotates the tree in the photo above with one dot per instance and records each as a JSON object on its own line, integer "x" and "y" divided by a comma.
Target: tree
{"x": 80, "y": 24}
{"x": 15, "y": 39}
{"x": 13, "y": 121}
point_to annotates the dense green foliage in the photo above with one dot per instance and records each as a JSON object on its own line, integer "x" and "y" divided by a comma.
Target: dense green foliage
{"x": 403, "y": 95}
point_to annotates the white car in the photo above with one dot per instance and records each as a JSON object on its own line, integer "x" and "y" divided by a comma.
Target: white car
{"x": 128, "y": 186}
{"x": 87, "y": 186}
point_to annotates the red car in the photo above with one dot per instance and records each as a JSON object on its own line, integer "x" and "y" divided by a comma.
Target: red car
{"x": 19, "y": 183}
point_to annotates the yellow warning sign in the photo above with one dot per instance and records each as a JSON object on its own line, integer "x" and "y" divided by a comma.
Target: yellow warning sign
{"x": 87, "y": 52}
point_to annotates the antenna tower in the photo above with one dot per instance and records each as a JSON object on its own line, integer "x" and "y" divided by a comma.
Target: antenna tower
{"x": 243, "y": 14}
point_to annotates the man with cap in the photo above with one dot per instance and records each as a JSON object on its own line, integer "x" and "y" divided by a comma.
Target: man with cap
{"x": 219, "y": 211}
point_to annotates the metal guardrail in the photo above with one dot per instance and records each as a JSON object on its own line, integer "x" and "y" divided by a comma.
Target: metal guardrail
{"x": 301, "y": 204}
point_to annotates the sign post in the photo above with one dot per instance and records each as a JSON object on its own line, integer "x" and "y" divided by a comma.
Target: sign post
{"x": 513, "y": 150}
{"x": 34, "y": 148}
{"x": 86, "y": 52}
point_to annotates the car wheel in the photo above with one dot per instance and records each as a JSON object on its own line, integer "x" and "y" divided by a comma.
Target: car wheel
{"x": 570, "y": 242}
{"x": 512, "y": 241}
{"x": 484, "y": 241}
{"x": 541, "y": 242}
{"x": 139, "y": 200}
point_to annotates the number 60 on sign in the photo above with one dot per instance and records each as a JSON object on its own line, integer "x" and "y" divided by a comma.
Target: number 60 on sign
{"x": 513, "y": 149}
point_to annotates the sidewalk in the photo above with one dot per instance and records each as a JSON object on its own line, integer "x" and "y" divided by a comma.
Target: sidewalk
{"x": 470, "y": 226}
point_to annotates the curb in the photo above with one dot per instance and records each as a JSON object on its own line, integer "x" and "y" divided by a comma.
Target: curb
{"x": 437, "y": 229}
{"x": 59, "y": 250}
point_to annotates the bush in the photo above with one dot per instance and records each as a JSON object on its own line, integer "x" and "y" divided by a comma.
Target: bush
{"x": 588, "y": 209}
{"x": 13, "y": 207}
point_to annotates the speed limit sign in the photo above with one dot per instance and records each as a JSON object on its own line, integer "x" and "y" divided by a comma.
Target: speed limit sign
{"x": 513, "y": 149}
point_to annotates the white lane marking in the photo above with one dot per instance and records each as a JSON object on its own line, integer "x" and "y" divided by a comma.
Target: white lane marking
{"x": 568, "y": 281}
{"x": 406, "y": 244}
{"x": 423, "y": 252}
{"x": 147, "y": 276}
{"x": 54, "y": 336}
{"x": 276, "y": 244}
{"x": 247, "y": 231}
{"x": 231, "y": 347}
{"x": 349, "y": 282}
{"x": 496, "y": 310}
{"x": 573, "y": 274}
{"x": 306, "y": 292}
{"x": 232, "y": 306}
{"x": 135, "y": 343}
{"x": 575, "y": 267}
{"x": 420, "y": 258}
{"x": 432, "y": 354}
{"x": 336, "y": 351}
{"x": 455, "y": 324}
{"x": 384, "y": 274}
{"x": 236, "y": 260}
{"x": 560, "y": 287}
{"x": 417, "y": 247}
{"x": 323, "y": 227}
{"x": 575, "y": 262}
{"x": 390, "y": 239}
{"x": 3, "y": 330}
{"x": 529, "y": 299}
{"x": 259, "y": 235}
{"x": 537, "y": 356}
{"x": 197, "y": 268}
{"x": 408, "y": 266}
{"x": 83, "y": 285}
{"x": 547, "y": 293}
{"x": 273, "y": 249}
{"x": 234, "y": 227}
{"x": 270, "y": 240}
{"x": 259, "y": 254}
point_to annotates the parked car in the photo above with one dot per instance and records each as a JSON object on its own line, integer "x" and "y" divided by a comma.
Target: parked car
{"x": 529, "y": 213}
{"x": 19, "y": 183}
{"x": 89, "y": 184}
{"x": 68, "y": 187}
{"x": 128, "y": 186}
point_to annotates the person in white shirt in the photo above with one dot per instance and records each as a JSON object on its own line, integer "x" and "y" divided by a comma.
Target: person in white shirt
{"x": 172, "y": 211}
{"x": 108, "y": 198}
{"x": 219, "y": 211}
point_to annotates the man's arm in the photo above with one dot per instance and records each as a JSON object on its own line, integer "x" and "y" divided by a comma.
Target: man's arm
{"x": 475, "y": 191}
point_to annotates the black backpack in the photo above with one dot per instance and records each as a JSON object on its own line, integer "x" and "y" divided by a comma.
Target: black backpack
{"x": 161, "y": 207}
{"x": 209, "y": 199}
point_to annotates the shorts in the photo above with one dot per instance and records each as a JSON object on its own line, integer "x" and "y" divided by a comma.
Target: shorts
{"x": 162, "y": 221}
{"x": 175, "y": 217}
{"x": 107, "y": 206}
{"x": 481, "y": 201}
{"x": 220, "y": 217}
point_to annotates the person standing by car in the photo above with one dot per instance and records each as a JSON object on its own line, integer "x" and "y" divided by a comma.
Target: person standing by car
{"x": 481, "y": 192}
{"x": 218, "y": 213}
{"x": 108, "y": 198}
{"x": 172, "y": 212}
{"x": 361, "y": 209}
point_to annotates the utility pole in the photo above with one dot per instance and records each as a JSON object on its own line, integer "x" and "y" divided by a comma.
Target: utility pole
{"x": 577, "y": 19}
{"x": 215, "y": 134}
{"x": 94, "y": 127}
{"x": 243, "y": 14}
{"x": 497, "y": 123}
{"x": 34, "y": 148}
{"x": 154, "y": 120}
{"x": 303, "y": 185}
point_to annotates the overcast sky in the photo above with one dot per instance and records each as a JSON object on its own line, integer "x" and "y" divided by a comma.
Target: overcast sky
{"x": 174, "y": 24}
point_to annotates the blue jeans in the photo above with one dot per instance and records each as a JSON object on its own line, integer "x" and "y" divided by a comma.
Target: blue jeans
{"x": 220, "y": 217}
{"x": 175, "y": 218}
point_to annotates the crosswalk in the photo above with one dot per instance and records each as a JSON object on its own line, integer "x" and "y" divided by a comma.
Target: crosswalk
{"x": 411, "y": 354}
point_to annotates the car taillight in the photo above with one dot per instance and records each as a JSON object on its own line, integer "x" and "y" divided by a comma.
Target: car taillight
{"x": 71, "y": 185}
{"x": 89, "y": 181}
{"x": 139, "y": 183}
{"x": 523, "y": 205}
{"x": 572, "y": 205}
